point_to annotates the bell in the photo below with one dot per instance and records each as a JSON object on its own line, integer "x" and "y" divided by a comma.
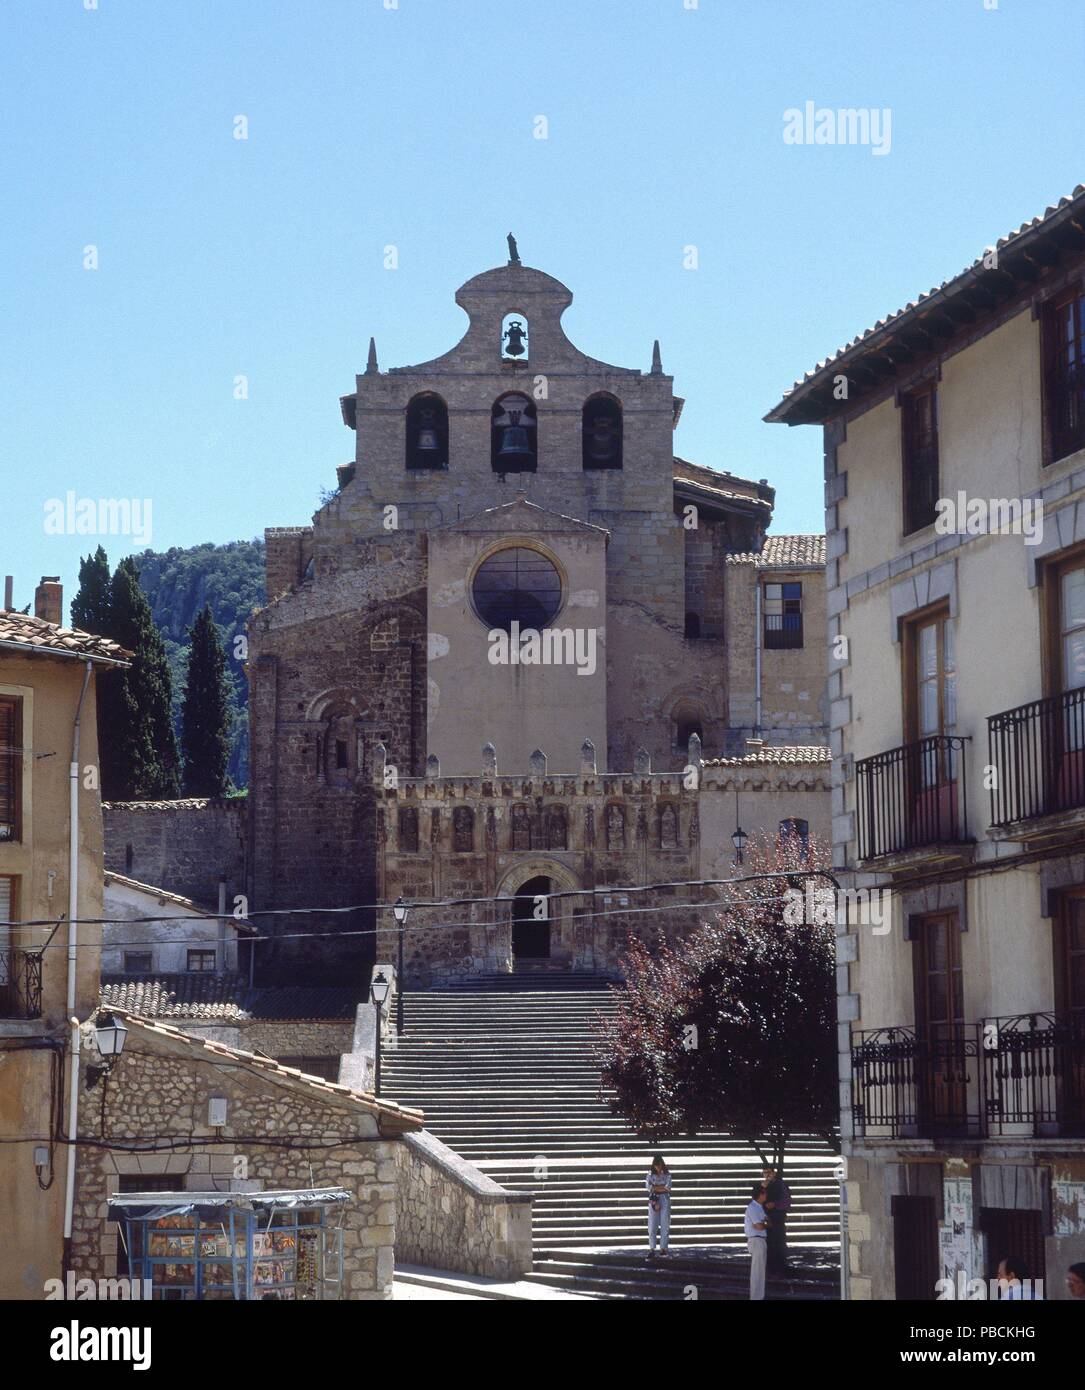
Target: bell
{"x": 515, "y": 448}
{"x": 427, "y": 440}
{"x": 515, "y": 336}
{"x": 602, "y": 441}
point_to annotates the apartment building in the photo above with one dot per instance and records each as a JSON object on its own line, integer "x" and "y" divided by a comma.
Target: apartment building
{"x": 954, "y": 442}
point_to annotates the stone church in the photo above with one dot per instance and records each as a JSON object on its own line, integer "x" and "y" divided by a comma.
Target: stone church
{"x": 524, "y": 654}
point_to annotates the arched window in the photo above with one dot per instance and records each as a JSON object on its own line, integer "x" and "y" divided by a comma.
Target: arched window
{"x": 798, "y": 833}
{"x": 514, "y": 338}
{"x": 427, "y": 432}
{"x": 340, "y": 752}
{"x": 513, "y": 429}
{"x": 463, "y": 830}
{"x": 601, "y": 429}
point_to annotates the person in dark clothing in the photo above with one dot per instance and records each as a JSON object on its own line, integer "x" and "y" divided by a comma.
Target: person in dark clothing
{"x": 777, "y": 1204}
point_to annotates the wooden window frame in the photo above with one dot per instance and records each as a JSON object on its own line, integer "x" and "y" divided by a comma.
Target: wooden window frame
{"x": 1051, "y": 452}
{"x": 920, "y": 973}
{"x": 909, "y": 453}
{"x": 1051, "y": 634}
{"x": 1060, "y": 940}
{"x": 935, "y": 613}
{"x": 15, "y": 754}
{"x": 191, "y": 969}
{"x": 133, "y": 970}
{"x": 774, "y": 641}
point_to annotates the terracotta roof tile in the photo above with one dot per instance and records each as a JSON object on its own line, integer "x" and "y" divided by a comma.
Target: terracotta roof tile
{"x": 785, "y": 552}
{"x": 23, "y": 630}
{"x": 227, "y": 997}
{"x": 784, "y": 755}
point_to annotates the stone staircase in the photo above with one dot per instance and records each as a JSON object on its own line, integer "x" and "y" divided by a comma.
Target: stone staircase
{"x": 502, "y": 1067}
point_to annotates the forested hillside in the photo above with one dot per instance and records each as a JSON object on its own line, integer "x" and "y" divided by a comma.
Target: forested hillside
{"x": 178, "y": 582}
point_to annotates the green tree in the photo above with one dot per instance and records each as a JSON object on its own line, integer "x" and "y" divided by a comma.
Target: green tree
{"x": 205, "y": 711}
{"x": 91, "y": 604}
{"x": 140, "y": 756}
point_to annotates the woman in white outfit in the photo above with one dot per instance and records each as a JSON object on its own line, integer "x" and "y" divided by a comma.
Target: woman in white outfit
{"x": 658, "y": 1184}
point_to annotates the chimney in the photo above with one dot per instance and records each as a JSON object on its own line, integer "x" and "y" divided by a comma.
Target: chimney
{"x": 49, "y": 599}
{"x": 9, "y": 589}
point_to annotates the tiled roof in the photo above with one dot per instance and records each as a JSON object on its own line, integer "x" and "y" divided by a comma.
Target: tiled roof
{"x": 160, "y": 894}
{"x": 725, "y": 485}
{"x": 227, "y": 997}
{"x": 785, "y": 552}
{"x": 392, "y": 1118}
{"x": 972, "y": 277}
{"x": 22, "y": 630}
{"x": 785, "y": 755}
{"x": 184, "y": 803}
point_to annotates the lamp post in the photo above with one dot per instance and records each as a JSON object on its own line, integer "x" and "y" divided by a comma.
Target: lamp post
{"x": 399, "y": 912}
{"x": 110, "y": 1033}
{"x": 738, "y": 839}
{"x": 378, "y": 993}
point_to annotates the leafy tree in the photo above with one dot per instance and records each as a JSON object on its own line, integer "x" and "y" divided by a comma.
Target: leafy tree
{"x": 757, "y": 989}
{"x": 205, "y": 711}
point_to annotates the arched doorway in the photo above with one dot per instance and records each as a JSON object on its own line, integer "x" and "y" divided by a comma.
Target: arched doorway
{"x": 530, "y": 931}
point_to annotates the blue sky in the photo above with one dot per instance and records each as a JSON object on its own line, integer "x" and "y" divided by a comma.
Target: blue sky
{"x": 413, "y": 126}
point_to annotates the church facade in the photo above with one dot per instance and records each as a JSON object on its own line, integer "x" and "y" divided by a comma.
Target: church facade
{"x": 524, "y": 654}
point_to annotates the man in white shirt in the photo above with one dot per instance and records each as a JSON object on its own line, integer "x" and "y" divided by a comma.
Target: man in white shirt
{"x": 756, "y": 1227}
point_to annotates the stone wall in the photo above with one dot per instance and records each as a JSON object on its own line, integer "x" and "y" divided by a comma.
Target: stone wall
{"x": 451, "y": 1216}
{"x": 278, "y": 1134}
{"x": 182, "y": 846}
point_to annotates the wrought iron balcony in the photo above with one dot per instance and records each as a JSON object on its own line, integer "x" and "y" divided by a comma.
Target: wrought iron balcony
{"x": 20, "y": 983}
{"x": 1038, "y": 752}
{"x": 1034, "y": 1074}
{"x": 912, "y": 797}
{"x": 906, "y": 1084}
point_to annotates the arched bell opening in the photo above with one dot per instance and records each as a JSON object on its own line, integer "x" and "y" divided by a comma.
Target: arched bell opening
{"x": 427, "y": 432}
{"x": 601, "y": 432}
{"x": 513, "y": 435}
{"x": 515, "y": 338}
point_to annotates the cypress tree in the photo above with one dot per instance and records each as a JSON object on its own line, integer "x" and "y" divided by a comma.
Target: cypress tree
{"x": 142, "y": 746}
{"x": 205, "y": 711}
{"x": 91, "y": 604}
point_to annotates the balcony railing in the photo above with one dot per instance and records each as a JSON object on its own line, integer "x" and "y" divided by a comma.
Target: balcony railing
{"x": 1034, "y": 1073}
{"x": 20, "y": 983}
{"x": 912, "y": 797}
{"x": 783, "y": 631}
{"x": 1038, "y": 753}
{"x": 1021, "y": 1075}
{"x": 908, "y": 1085}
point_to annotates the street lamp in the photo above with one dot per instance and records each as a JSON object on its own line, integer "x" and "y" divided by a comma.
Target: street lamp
{"x": 738, "y": 839}
{"x": 110, "y": 1032}
{"x": 399, "y": 912}
{"x": 378, "y": 993}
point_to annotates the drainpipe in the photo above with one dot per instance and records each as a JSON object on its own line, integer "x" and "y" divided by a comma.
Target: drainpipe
{"x": 757, "y": 658}
{"x": 223, "y": 963}
{"x": 73, "y": 956}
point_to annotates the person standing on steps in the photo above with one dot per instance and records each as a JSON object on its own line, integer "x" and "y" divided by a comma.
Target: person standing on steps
{"x": 658, "y": 1184}
{"x": 756, "y": 1227}
{"x": 777, "y": 1204}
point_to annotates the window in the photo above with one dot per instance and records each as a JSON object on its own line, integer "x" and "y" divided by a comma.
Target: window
{"x": 797, "y": 832}
{"x": 601, "y": 432}
{"x": 940, "y": 1025}
{"x": 516, "y": 585}
{"x": 1064, "y": 594}
{"x": 11, "y": 767}
{"x": 341, "y": 758}
{"x": 463, "y": 830}
{"x": 513, "y": 443}
{"x": 693, "y": 626}
{"x": 919, "y": 453}
{"x": 1064, "y": 350}
{"x": 141, "y": 962}
{"x": 201, "y": 961}
{"x": 323, "y": 1066}
{"x": 427, "y": 432}
{"x": 783, "y": 616}
{"x": 521, "y": 828}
